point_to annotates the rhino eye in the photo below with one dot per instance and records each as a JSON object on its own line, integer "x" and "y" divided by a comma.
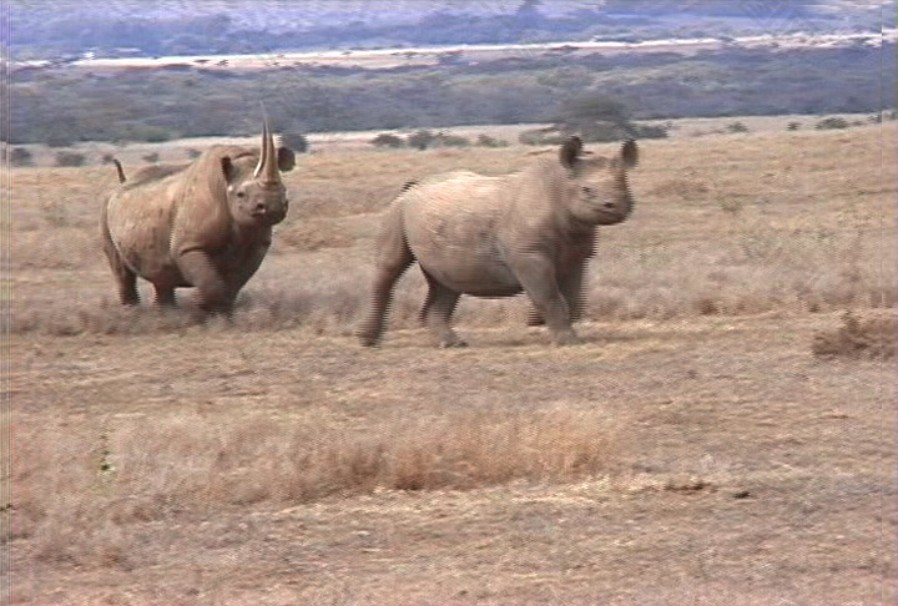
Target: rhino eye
{"x": 241, "y": 194}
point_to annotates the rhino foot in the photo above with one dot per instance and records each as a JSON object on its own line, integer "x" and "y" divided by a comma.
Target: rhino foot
{"x": 452, "y": 341}
{"x": 567, "y": 337}
{"x": 368, "y": 340}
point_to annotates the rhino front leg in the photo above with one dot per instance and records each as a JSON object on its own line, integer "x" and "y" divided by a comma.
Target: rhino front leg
{"x": 437, "y": 313}
{"x": 165, "y": 295}
{"x": 572, "y": 289}
{"x": 199, "y": 270}
{"x": 538, "y": 278}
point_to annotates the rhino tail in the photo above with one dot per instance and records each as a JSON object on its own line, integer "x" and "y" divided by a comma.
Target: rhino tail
{"x": 120, "y": 170}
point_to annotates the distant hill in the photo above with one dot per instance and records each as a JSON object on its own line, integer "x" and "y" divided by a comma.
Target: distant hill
{"x": 40, "y": 30}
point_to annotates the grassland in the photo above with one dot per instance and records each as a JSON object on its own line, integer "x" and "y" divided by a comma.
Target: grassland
{"x": 694, "y": 450}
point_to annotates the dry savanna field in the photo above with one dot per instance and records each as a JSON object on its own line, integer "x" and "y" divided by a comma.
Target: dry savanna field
{"x": 725, "y": 435}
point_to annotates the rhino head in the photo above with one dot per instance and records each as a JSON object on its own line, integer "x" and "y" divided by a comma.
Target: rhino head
{"x": 256, "y": 195}
{"x": 596, "y": 191}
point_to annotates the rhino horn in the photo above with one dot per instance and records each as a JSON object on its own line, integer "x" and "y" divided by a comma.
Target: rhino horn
{"x": 267, "y": 168}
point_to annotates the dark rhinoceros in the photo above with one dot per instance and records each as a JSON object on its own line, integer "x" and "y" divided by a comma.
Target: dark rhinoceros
{"x": 207, "y": 224}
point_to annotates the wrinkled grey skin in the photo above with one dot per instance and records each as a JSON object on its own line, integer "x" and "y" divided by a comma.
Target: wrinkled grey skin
{"x": 531, "y": 231}
{"x": 207, "y": 224}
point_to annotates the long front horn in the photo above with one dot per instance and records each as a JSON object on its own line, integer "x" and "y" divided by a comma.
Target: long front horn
{"x": 263, "y": 157}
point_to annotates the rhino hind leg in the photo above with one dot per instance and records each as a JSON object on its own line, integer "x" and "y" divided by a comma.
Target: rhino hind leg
{"x": 394, "y": 257}
{"x": 437, "y": 313}
{"x": 126, "y": 280}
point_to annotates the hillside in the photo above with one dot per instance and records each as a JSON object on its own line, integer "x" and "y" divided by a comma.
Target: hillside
{"x": 168, "y": 27}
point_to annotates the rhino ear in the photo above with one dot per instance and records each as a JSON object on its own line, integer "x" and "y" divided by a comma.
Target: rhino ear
{"x": 629, "y": 154}
{"x": 570, "y": 151}
{"x": 286, "y": 159}
{"x": 227, "y": 167}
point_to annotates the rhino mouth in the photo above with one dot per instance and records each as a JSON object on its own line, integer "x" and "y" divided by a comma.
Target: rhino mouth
{"x": 268, "y": 217}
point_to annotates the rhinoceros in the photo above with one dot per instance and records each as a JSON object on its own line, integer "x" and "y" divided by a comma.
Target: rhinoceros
{"x": 207, "y": 224}
{"x": 531, "y": 231}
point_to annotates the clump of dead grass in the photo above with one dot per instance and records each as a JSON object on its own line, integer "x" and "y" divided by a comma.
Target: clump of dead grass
{"x": 858, "y": 338}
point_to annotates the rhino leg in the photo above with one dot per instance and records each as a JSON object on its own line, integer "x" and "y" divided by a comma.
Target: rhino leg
{"x": 165, "y": 295}
{"x": 125, "y": 279}
{"x": 393, "y": 259}
{"x": 571, "y": 286}
{"x": 537, "y": 275}
{"x": 199, "y": 270}
{"x": 437, "y": 313}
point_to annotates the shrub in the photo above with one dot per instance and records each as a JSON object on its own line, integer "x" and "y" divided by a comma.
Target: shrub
{"x": 541, "y": 136}
{"x": 794, "y": 125}
{"x": 387, "y": 140}
{"x": 644, "y": 131}
{"x": 737, "y": 127}
{"x": 296, "y": 141}
{"x": 67, "y": 158}
{"x": 444, "y": 140}
{"x": 487, "y": 141}
{"x": 19, "y": 156}
{"x": 832, "y": 124}
{"x": 421, "y": 140}
{"x": 870, "y": 338}
{"x": 193, "y": 153}
{"x": 152, "y": 158}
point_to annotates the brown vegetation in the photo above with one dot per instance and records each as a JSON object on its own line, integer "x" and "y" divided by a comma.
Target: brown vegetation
{"x": 868, "y": 338}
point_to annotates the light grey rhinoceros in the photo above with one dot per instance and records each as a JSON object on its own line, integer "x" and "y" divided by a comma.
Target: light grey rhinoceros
{"x": 206, "y": 224}
{"x": 530, "y": 231}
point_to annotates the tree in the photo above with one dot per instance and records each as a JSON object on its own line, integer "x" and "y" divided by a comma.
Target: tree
{"x": 421, "y": 140}
{"x": 387, "y": 140}
{"x": 19, "y": 156}
{"x": 296, "y": 141}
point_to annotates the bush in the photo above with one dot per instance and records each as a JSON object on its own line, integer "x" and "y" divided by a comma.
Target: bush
{"x": 421, "y": 140}
{"x": 794, "y": 125}
{"x": 67, "y": 158}
{"x": 737, "y": 127}
{"x": 487, "y": 141}
{"x": 19, "y": 156}
{"x": 541, "y": 136}
{"x": 443, "y": 140}
{"x": 832, "y": 124}
{"x": 296, "y": 141}
{"x": 387, "y": 140}
{"x": 650, "y": 132}
{"x": 152, "y": 157}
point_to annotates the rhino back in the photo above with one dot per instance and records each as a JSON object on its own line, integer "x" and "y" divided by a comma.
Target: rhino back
{"x": 452, "y": 225}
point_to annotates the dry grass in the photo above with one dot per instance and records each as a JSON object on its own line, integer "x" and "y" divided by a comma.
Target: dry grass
{"x": 77, "y": 492}
{"x": 150, "y": 451}
{"x": 856, "y": 338}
